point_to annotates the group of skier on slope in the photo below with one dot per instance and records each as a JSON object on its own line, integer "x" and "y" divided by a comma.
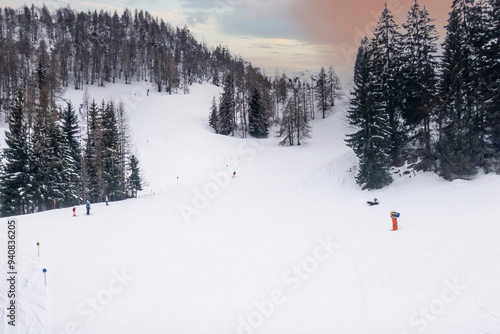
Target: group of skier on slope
{"x": 87, "y": 206}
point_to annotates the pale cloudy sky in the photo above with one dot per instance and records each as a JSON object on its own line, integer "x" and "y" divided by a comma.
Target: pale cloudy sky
{"x": 292, "y": 35}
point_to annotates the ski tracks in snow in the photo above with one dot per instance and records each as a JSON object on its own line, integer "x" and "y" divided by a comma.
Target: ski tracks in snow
{"x": 32, "y": 295}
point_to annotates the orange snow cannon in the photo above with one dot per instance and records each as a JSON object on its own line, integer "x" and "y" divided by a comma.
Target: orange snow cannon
{"x": 395, "y": 215}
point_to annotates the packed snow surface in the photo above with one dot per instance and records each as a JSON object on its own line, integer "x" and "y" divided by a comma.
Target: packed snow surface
{"x": 289, "y": 246}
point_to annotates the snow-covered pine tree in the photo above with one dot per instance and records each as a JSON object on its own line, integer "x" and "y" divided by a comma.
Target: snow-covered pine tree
{"x": 61, "y": 181}
{"x": 42, "y": 154}
{"x": 419, "y": 76}
{"x": 124, "y": 143}
{"x": 359, "y": 111}
{"x": 258, "y": 122}
{"x": 215, "y": 75}
{"x": 370, "y": 142}
{"x": 478, "y": 39}
{"x": 213, "y": 116}
{"x": 459, "y": 146}
{"x": 134, "y": 182}
{"x": 334, "y": 87}
{"x": 14, "y": 178}
{"x": 492, "y": 55}
{"x": 72, "y": 159}
{"x": 71, "y": 131}
{"x": 245, "y": 77}
{"x": 46, "y": 143}
{"x": 321, "y": 91}
{"x": 111, "y": 153}
{"x": 226, "y": 124}
{"x": 69, "y": 174}
{"x": 386, "y": 48}
{"x": 93, "y": 155}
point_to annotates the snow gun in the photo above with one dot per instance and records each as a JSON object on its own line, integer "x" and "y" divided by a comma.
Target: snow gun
{"x": 395, "y": 215}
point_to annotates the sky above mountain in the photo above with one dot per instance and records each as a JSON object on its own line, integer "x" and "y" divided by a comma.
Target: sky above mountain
{"x": 292, "y": 35}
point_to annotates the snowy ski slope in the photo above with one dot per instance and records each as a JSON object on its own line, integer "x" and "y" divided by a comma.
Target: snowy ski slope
{"x": 287, "y": 247}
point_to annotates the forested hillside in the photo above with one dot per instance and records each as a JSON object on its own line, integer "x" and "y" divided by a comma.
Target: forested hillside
{"x": 442, "y": 112}
{"x": 56, "y": 156}
{"x": 74, "y": 49}
{"x": 410, "y": 103}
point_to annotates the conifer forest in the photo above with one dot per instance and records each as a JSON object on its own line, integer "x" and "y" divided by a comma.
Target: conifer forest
{"x": 412, "y": 99}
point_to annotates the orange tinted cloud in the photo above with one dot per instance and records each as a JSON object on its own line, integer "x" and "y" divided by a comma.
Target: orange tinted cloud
{"x": 347, "y": 21}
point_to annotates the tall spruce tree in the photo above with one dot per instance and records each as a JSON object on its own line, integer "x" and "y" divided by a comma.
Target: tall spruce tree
{"x": 460, "y": 140}
{"x": 41, "y": 160}
{"x": 258, "y": 122}
{"x": 213, "y": 120}
{"x": 57, "y": 185}
{"x": 69, "y": 174}
{"x": 134, "y": 182}
{"x": 371, "y": 142}
{"x": 111, "y": 153}
{"x": 478, "y": 39}
{"x": 215, "y": 76}
{"x": 226, "y": 124}
{"x": 71, "y": 155}
{"x": 386, "y": 63}
{"x": 45, "y": 145}
{"x": 491, "y": 53}
{"x": 124, "y": 144}
{"x": 71, "y": 130}
{"x": 419, "y": 69}
{"x": 94, "y": 155}
{"x": 15, "y": 181}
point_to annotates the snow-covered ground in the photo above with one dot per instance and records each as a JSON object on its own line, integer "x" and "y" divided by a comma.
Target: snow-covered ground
{"x": 287, "y": 247}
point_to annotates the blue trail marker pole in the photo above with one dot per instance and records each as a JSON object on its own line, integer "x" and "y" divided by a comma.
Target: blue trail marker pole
{"x": 45, "y": 275}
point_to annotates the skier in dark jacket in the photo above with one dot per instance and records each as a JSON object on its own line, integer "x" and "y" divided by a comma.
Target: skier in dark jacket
{"x": 88, "y": 207}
